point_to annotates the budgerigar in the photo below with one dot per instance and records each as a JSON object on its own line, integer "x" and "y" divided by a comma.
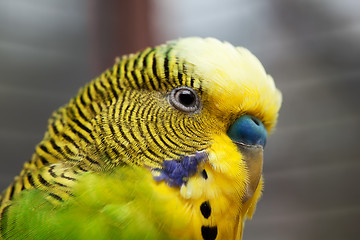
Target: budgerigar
{"x": 166, "y": 144}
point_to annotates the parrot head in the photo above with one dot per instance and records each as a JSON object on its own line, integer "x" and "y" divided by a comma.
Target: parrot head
{"x": 196, "y": 113}
{"x": 185, "y": 104}
{"x": 169, "y": 140}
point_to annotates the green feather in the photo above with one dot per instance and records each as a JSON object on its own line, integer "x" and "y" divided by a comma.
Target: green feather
{"x": 119, "y": 205}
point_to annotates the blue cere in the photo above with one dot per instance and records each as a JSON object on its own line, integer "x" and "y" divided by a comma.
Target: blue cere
{"x": 249, "y": 130}
{"x": 176, "y": 172}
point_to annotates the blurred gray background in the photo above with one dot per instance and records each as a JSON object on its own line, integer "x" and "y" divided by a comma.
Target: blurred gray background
{"x": 50, "y": 48}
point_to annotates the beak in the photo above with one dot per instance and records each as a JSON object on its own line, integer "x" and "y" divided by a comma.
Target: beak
{"x": 253, "y": 157}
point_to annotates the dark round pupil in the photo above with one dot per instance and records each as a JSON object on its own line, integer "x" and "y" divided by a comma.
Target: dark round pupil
{"x": 186, "y": 98}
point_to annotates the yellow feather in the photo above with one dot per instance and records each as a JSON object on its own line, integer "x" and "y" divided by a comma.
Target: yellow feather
{"x": 233, "y": 78}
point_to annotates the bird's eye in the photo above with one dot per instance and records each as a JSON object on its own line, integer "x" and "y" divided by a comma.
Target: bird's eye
{"x": 184, "y": 99}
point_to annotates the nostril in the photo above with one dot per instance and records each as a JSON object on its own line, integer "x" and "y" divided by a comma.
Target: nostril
{"x": 256, "y": 121}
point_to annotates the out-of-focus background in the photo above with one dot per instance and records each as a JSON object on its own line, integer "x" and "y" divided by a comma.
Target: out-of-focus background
{"x": 50, "y": 48}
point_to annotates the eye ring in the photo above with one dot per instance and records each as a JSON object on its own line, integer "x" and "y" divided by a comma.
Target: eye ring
{"x": 185, "y": 99}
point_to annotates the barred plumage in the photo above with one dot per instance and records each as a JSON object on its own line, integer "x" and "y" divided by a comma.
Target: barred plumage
{"x": 71, "y": 129}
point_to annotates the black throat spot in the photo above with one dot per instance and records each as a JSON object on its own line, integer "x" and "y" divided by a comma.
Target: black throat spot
{"x": 205, "y": 209}
{"x": 209, "y": 233}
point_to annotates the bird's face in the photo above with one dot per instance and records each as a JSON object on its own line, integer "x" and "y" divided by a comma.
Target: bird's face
{"x": 189, "y": 107}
